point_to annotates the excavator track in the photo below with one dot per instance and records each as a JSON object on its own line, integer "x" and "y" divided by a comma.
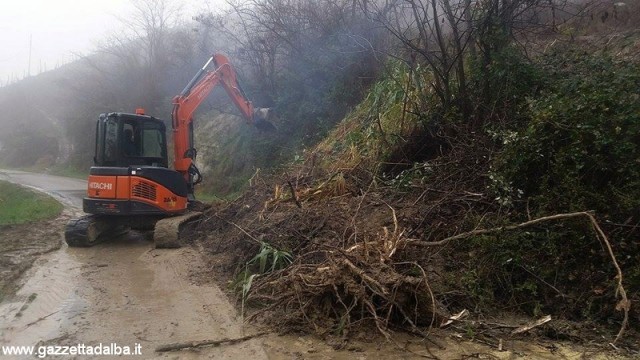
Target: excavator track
{"x": 167, "y": 231}
{"x": 90, "y": 230}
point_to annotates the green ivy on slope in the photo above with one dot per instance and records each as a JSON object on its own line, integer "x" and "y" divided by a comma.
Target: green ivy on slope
{"x": 581, "y": 148}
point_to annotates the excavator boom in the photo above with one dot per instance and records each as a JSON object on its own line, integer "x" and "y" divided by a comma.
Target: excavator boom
{"x": 196, "y": 91}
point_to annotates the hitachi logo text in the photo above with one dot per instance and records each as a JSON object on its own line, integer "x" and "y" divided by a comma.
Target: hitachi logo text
{"x": 100, "y": 186}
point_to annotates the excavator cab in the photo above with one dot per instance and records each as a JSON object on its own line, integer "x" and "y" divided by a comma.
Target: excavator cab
{"x": 124, "y": 140}
{"x": 130, "y": 175}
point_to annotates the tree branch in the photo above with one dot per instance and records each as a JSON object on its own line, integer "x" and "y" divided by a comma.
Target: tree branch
{"x": 623, "y": 305}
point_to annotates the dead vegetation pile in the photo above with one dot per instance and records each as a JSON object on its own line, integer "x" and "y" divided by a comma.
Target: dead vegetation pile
{"x": 326, "y": 247}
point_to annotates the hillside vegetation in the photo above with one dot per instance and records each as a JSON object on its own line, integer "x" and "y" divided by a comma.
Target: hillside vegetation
{"x": 376, "y": 223}
{"x": 431, "y": 157}
{"x": 500, "y": 182}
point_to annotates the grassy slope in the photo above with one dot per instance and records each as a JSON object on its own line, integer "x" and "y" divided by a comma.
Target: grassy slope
{"x": 20, "y": 205}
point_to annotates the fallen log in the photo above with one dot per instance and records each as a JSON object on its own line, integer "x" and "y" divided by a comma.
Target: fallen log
{"x": 531, "y": 325}
{"x": 202, "y": 343}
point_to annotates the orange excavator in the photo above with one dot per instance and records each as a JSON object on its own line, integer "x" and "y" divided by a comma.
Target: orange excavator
{"x": 130, "y": 185}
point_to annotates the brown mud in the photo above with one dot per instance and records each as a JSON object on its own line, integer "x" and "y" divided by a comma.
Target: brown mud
{"x": 121, "y": 291}
{"x": 21, "y": 245}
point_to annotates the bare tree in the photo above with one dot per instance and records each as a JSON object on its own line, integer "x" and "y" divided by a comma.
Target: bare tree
{"x": 136, "y": 63}
{"x": 299, "y": 50}
{"x": 449, "y": 35}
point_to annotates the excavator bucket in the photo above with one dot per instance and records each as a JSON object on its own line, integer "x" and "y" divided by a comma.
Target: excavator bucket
{"x": 262, "y": 119}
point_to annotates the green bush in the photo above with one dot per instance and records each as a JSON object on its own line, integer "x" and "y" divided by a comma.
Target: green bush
{"x": 580, "y": 151}
{"x": 537, "y": 271}
{"x": 501, "y": 87}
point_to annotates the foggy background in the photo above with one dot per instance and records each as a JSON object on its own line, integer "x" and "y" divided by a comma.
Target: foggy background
{"x": 53, "y": 33}
{"x": 312, "y": 61}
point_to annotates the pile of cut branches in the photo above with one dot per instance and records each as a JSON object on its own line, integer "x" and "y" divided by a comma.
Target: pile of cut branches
{"x": 364, "y": 250}
{"x": 332, "y": 288}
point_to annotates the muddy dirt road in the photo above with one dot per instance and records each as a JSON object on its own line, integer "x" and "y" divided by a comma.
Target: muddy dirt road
{"x": 122, "y": 291}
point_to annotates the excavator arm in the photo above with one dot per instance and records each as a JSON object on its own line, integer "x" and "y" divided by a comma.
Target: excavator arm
{"x": 185, "y": 104}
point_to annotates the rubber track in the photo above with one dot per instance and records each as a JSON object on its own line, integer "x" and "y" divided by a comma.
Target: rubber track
{"x": 167, "y": 231}
{"x": 89, "y": 230}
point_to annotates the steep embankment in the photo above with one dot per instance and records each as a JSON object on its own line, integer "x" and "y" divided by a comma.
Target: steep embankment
{"x": 401, "y": 218}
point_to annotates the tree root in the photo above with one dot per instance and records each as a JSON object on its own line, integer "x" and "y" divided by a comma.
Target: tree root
{"x": 195, "y": 344}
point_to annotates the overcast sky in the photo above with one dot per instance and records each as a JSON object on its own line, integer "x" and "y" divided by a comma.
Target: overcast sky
{"x": 59, "y": 28}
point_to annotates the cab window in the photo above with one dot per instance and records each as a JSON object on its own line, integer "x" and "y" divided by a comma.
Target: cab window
{"x": 152, "y": 143}
{"x": 111, "y": 140}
